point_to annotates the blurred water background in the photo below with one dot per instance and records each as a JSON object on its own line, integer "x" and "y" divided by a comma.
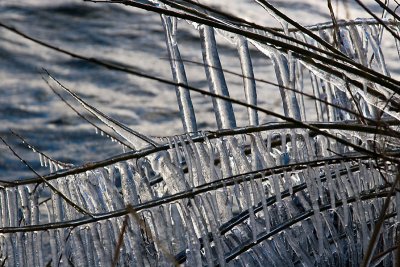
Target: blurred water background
{"x": 132, "y": 37}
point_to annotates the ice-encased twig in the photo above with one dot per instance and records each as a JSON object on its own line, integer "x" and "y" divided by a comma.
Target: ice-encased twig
{"x": 215, "y": 77}
{"x": 248, "y": 78}
{"x": 137, "y": 140}
{"x": 178, "y": 72}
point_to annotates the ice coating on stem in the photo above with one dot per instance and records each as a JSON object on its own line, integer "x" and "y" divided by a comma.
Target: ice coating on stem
{"x": 282, "y": 72}
{"x": 248, "y": 78}
{"x": 137, "y": 140}
{"x": 215, "y": 76}
{"x": 178, "y": 72}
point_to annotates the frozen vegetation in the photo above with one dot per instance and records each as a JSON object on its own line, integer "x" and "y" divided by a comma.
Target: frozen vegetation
{"x": 313, "y": 182}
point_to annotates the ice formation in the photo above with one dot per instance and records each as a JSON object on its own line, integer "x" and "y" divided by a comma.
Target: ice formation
{"x": 274, "y": 194}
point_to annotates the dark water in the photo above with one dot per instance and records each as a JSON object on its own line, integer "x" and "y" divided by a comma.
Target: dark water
{"x": 103, "y": 31}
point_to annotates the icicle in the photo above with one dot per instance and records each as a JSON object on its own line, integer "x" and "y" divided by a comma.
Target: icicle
{"x": 248, "y": 78}
{"x": 178, "y": 150}
{"x": 69, "y": 187}
{"x": 100, "y": 257}
{"x": 160, "y": 221}
{"x": 213, "y": 174}
{"x": 282, "y": 249}
{"x": 202, "y": 228}
{"x": 223, "y": 109}
{"x": 106, "y": 190}
{"x": 330, "y": 98}
{"x": 288, "y": 182}
{"x": 188, "y": 116}
{"x": 397, "y": 201}
{"x": 36, "y": 237}
{"x": 80, "y": 257}
{"x": 343, "y": 196}
{"x": 299, "y": 81}
{"x": 224, "y": 158}
{"x": 370, "y": 31}
{"x": 277, "y": 189}
{"x": 255, "y": 194}
{"x": 346, "y": 43}
{"x": 13, "y": 211}
{"x": 348, "y": 187}
{"x": 284, "y": 154}
{"x": 312, "y": 186}
{"x": 294, "y": 102}
{"x": 134, "y": 245}
{"x": 87, "y": 245}
{"x": 208, "y": 210}
{"x": 321, "y": 189}
{"x": 173, "y": 150}
{"x": 59, "y": 214}
{"x": 225, "y": 202}
{"x": 90, "y": 194}
{"x": 178, "y": 227}
{"x": 248, "y": 200}
{"x": 315, "y": 88}
{"x": 282, "y": 72}
{"x": 188, "y": 156}
{"x": 238, "y": 156}
{"x": 106, "y": 239}
{"x": 261, "y": 189}
{"x": 331, "y": 186}
{"x": 41, "y": 159}
{"x": 200, "y": 162}
{"x": 294, "y": 147}
{"x": 193, "y": 253}
{"x": 358, "y": 46}
{"x": 322, "y": 145}
{"x": 265, "y": 151}
{"x": 20, "y": 248}
{"x": 269, "y": 250}
{"x": 292, "y": 240}
{"x": 220, "y": 196}
{"x": 359, "y": 211}
{"x": 37, "y": 243}
{"x": 52, "y": 239}
{"x": 309, "y": 146}
{"x": 129, "y": 191}
{"x": 173, "y": 176}
{"x": 25, "y": 239}
{"x": 339, "y": 249}
{"x": 257, "y": 161}
{"x": 51, "y": 165}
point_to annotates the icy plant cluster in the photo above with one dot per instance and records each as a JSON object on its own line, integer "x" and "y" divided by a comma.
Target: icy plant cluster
{"x": 285, "y": 193}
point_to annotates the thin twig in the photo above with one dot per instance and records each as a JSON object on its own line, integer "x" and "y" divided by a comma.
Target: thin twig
{"x": 345, "y": 126}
